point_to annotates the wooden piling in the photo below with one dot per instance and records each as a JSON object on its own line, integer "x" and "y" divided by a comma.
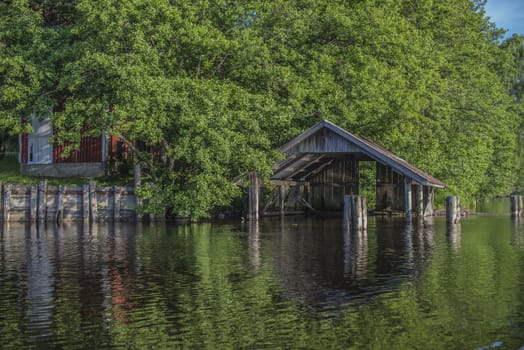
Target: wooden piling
{"x": 282, "y": 199}
{"x": 407, "y": 199}
{"x": 364, "y": 209}
{"x": 428, "y": 210}
{"x": 355, "y": 212}
{"x": 347, "y": 210}
{"x": 42, "y": 203}
{"x": 253, "y": 196}
{"x": 92, "y": 201}
{"x": 452, "y": 210}
{"x": 33, "y": 199}
{"x": 116, "y": 203}
{"x": 419, "y": 200}
{"x": 138, "y": 183}
{"x": 60, "y": 204}
{"x": 516, "y": 205}
{"x": 7, "y": 202}
{"x": 85, "y": 203}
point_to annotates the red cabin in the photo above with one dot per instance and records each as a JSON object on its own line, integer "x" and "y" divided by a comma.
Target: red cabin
{"x": 40, "y": 157}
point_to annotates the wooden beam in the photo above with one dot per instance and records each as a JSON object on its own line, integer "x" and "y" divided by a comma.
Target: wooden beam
{"x": 287, "y": 166}
{"x": 285, "y": 182}
{"x": 317, "y": 170}
{"x": 305, "y": 165}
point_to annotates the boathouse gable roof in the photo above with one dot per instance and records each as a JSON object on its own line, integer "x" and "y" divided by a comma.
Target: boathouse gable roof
{"x": 316, "y": 147}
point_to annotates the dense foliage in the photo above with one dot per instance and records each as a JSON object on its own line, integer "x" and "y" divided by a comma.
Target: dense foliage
{"x": 205, "y": 90}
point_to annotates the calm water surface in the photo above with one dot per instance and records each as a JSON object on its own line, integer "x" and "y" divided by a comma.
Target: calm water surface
{"x": 298, "y": 283}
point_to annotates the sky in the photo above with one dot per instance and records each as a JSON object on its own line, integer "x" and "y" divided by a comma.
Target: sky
{"x": 507, "y": 14}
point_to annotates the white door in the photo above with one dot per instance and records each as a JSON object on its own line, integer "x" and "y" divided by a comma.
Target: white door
{"x": 40, "y": 151}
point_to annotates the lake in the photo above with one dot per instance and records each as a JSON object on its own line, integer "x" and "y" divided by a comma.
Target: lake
{"x": 294, "y": 283}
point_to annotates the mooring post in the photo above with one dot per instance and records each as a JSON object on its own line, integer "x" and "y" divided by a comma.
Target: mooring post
{"x": 282, "y": 199}
{"x": 116, "y": 203}
{"x": 357, "y": 213}
{"x": 253, "y": 196}
{"x": 428, "y": 211}
{"x": 85, "y": 203}
{"x": 407, "y": 199}
{"x": 452, "y": 210}
{"x": 138, "y": 182}
{"x": 7, "y": 201}
{"x": 516, "y": 205}
{"x": 347, "y": 210}
{"x": 60, "y": 204}
{"x": 42, "y": 195}
{"x": 364, "y": 208}
{"x": 92, "y": 201}
{"x": 33, "y": 203}
{"x": 419, "y": 203}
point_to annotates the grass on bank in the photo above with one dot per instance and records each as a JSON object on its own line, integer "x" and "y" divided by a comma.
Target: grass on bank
{"x": 10, "y": 173}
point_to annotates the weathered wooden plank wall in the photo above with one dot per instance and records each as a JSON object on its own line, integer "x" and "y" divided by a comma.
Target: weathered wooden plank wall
{"x": 390, "y": 189}
{"x": 67, "y": 203}
{"x": 327, "y": 188}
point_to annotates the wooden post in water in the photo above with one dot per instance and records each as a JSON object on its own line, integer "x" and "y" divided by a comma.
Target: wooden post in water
{"x": 92, "y": 201}
{"x": 253, "y": 196}
{"x": 428, "y": 210}
{"x": 282, "y": 199}
{"x": 33, "y": 198}
{"x": 116, "y": 203}
{"x": 419, "y": 202}
{"x": 355, "y": 212}
{"x": 138, "y": 183}
{"x": 60, "y": 204}
{"x": 516, "y": 205}
{"x": 347, "y": 210}
{"x": 364, "y": 209}
{"x": 42, "y": 195}
{"x": 407, "y": 199}
{"x": 452, "y": 210}
{"x": 7, "y": 201}
{"x": 85, "y": 203}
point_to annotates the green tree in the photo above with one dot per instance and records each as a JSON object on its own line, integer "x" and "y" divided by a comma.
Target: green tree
{"x": 202, "y": 91}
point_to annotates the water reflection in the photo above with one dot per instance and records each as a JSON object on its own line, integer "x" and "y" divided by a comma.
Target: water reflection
{"x": 40, "y": 282}
{"x": 454, "y": 235}
{"x": 254, "y": 245}
{"x": 518, "y": 236}
{"x": 294, "y": 282}
{"x": 355, "y": 253}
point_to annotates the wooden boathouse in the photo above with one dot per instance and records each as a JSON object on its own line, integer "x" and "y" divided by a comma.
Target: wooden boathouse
{"x": 321, "y": 166}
